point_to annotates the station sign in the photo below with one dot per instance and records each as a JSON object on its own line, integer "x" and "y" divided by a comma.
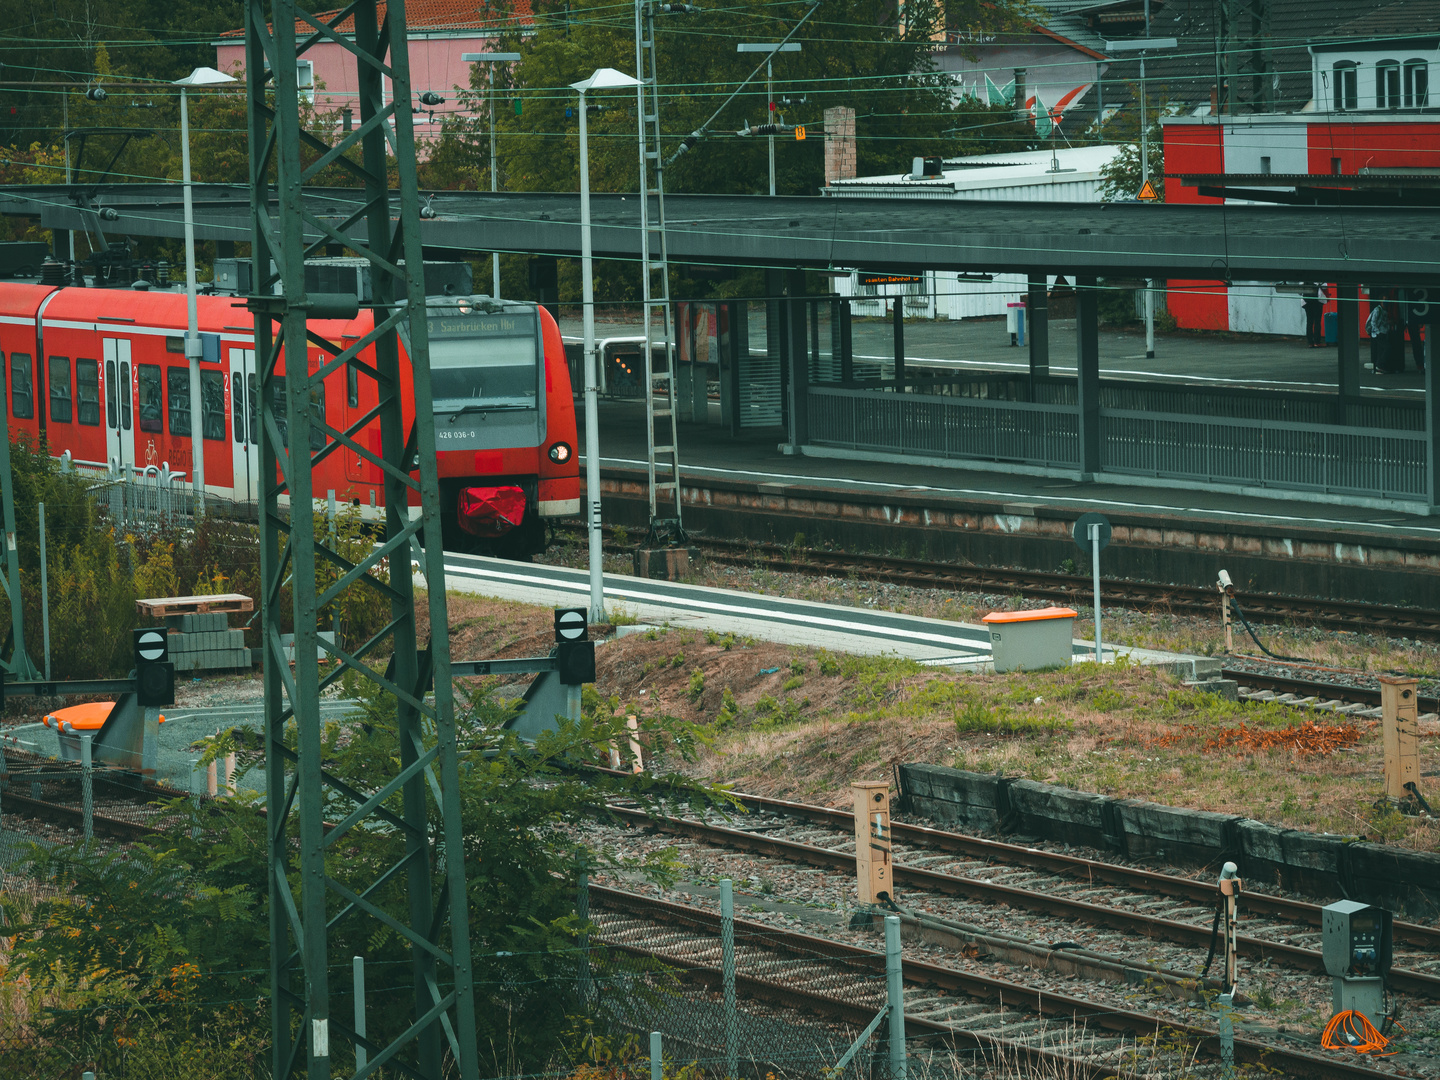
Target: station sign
{"x": 874, "y": 277}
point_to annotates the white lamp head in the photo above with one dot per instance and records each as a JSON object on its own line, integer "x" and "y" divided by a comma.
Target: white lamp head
{"x": 205, "y": 76}
{"x": 606, "y": 79}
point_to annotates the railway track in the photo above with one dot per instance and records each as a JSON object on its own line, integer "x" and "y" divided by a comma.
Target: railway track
{"x": 1063, "y": 890}
{"x": 947, "y": 1005}
{"x": 1073, "y": 589}
{"x": 1294, "y": 689}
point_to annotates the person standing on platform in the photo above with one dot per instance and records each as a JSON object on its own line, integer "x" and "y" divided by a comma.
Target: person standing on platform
{"x": 1314, "y": 315}
{"x": 1378, "y": 327}
{"x": 1416, "y": 326}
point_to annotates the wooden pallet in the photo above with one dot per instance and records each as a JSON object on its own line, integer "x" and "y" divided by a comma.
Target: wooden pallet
{"x": 162, "y": 606}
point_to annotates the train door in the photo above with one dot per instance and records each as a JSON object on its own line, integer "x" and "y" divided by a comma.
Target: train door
{"x": 119, "y": 404}
{"x": 244, "y": 424}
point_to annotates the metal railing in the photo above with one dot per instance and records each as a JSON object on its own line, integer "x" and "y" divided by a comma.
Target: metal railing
{"x": 1234, "y": 451}
{"x": 136, "y": 497}
{"x": 925, "y": 425}
{"x": 1237, "y": 402}
{"x": 1264, "y": 453}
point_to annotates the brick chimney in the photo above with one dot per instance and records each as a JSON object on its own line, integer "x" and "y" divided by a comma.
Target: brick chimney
{"x": 839, "y": 144}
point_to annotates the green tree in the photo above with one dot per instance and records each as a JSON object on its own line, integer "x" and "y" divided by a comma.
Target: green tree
{"x": 171, "y": 938}
{"x": 1122, "y": 174}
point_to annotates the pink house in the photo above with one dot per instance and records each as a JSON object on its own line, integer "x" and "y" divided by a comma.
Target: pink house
{"x": 439, "y": 32}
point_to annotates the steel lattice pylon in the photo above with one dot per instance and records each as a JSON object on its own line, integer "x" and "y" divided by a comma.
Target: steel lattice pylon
{"x": 301, "y": 793}
{"x": 663, "y": 474}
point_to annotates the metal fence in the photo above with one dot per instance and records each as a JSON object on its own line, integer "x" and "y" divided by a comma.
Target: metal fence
{"x": 926, "y": 425}
{"x": 1272, "y": 453}
{"x": 1236, "y": 402}
{"x": 1262, "y": 451}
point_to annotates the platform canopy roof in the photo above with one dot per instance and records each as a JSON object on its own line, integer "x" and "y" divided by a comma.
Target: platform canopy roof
{"x": 1236, "y": 242}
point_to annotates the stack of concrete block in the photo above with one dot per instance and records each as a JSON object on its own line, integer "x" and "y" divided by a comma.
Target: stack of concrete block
{"x": 206, "y": 643}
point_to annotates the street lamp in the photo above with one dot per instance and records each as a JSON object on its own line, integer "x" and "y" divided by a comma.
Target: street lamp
{"x": 771, "y": 48}
{"x": 603, "y": 79}
{"x": 492, "y": 58}
{"x": 201, "y": 76}
{"x": 1142, "y": 46}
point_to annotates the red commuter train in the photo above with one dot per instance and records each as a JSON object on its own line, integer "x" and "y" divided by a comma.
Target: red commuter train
{"x": 102, "y": 373}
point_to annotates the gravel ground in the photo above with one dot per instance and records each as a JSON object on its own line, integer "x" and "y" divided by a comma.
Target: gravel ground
{"x": 1290, "y": 1007}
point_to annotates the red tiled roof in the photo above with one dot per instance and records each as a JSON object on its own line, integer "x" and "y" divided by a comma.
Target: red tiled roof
{"x": 436, "y": 15}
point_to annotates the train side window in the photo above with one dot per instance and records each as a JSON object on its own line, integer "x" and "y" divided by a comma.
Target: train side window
{"x": 237, "y": 406}
{"x": 280, "y": 409}
{"x": 212, "y": 404}
{"x": 151, "y": 401}
{"x": 253, "y": 397}
{"x": 124, "y": 392}
{"x": 60, "y": 389}
{"x": 112, "y": 415}
{"x": 22, "y": 392}
{"x": 87, "y": 392}
{"x": 352, "y": 386}
{"x": 178, "y": 380}
{"x": 317, "y": 416}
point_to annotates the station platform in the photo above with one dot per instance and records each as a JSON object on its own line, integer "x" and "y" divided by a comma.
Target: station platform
{"x": 1199, "y": 359}
{"x": 747, "y": 487}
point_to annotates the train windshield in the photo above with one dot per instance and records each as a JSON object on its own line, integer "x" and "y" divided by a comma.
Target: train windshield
{"x": 484, "y": 361}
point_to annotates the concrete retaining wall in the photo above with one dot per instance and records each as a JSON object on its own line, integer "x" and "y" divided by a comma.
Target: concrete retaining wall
{"x": 1326, "y": 867}
{"x": 1261, "y": 557}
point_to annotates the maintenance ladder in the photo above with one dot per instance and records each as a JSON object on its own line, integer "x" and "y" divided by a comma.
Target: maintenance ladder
{"x": 663, "y": 457}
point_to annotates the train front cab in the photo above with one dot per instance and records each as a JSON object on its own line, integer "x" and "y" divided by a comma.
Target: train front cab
{"x": 504, "y": 425}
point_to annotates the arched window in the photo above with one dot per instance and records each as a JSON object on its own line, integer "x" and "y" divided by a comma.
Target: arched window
{"x": 1387, "y": 84}
{"x": 1347, "y": 90}
{"x": 1417, "y": 84}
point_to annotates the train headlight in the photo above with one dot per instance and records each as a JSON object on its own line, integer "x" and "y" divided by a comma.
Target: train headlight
{"x": 560, "y": 453}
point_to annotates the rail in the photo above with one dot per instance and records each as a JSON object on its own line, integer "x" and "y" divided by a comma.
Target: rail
{"x": 929, "y": 978}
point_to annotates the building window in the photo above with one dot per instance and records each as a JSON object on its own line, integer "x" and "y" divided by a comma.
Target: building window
{"x": 22, "y": 396}
{"x": 152, "y": 404}
{"x": 1417, "y": 84}
{"x": 1347, "y": 86}
{"x": 60, "y": 389}
{"x": 87, "y": 392}
{"x": 305, "y": 80}
{"x": 1265, "y": 166}
{"x": 1387, "y": 85}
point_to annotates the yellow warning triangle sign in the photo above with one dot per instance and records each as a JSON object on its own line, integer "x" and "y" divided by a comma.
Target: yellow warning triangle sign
{"x": 1147, "y": 193}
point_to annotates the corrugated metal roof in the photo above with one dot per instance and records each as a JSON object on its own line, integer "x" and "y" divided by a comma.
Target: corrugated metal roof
{"x": 1029, "y": 176}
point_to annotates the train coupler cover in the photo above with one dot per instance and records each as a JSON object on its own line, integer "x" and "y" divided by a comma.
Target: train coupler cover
{"x": 490, "y": 512}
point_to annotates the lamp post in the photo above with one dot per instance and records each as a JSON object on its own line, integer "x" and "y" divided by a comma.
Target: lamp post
{"x": 771, "y": 48}
{"x": 603, "y": 79}
{"x": 201, "y": 76}
{"x": 1143, "y": 46}
{"x": 492, "y": 58}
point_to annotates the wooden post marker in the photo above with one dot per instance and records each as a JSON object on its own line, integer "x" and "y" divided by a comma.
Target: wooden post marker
{"x": 872, "y": 840}
{"x": 1399, "y": 704}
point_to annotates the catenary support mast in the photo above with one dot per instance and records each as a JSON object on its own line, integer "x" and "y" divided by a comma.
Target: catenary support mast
{"x": 312, "y": 892}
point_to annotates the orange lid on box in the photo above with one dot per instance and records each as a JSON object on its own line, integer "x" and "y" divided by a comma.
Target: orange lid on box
{"x": 87, "y": 717}
{"x": 1029, "y": 616}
